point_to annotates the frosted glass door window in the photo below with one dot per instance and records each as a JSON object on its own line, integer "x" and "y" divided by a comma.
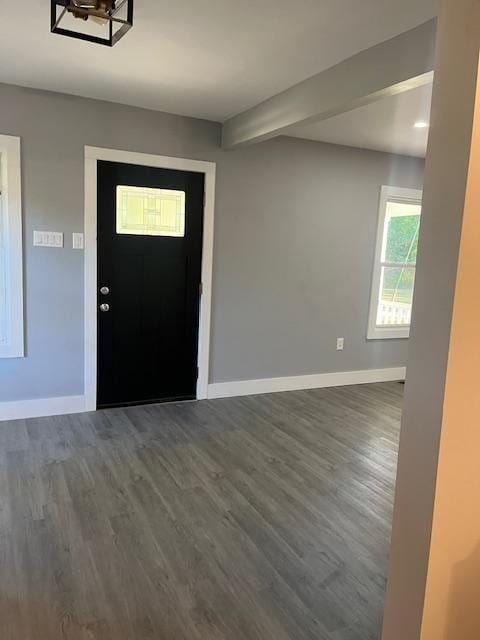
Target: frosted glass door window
{"x": 150, "y": 212}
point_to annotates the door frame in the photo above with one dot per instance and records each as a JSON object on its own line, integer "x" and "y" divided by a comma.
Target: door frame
{"x": 92, "y": 156}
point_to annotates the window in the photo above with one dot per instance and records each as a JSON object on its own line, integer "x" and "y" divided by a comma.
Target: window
{"x": 150, "y": 212}
{"x": 395, "y": 263}
{"x": 11, "y": 279}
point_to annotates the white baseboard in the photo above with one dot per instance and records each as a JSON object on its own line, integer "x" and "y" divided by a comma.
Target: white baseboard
{"x": 295, "y": 383}
{"x": 40, "y": 407}
{"x": 37, "y": 408}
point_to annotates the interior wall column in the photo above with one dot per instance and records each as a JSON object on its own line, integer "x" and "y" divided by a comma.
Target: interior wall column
{"x": 434, "y": 586}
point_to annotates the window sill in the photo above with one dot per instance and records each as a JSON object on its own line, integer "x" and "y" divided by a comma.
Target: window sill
{"x": 394, "y": 333}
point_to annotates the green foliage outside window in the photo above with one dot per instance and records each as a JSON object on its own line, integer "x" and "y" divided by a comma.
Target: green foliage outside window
{"x": 402, "y": 245}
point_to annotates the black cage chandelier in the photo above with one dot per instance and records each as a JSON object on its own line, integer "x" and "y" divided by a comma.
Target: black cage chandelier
{"x": 100, "y": 21}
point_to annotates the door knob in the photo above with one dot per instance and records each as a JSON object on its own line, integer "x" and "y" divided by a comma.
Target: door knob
{"x": 104, "y": 307}
{"x": 104, "y": 291}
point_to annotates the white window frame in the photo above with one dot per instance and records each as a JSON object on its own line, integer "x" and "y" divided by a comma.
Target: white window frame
{"x": 11, "y": 209}
{"x": 387, "y": 194}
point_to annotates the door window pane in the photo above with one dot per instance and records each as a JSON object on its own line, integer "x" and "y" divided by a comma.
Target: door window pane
{"x": 150, "y": 212}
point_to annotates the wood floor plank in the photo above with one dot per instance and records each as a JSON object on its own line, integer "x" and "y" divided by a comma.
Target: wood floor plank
{"x": 253, "y": 518}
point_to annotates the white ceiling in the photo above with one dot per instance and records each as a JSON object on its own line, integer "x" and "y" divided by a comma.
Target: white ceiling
{"x": 384, "y": 125}
{"x": 210, "y": 59}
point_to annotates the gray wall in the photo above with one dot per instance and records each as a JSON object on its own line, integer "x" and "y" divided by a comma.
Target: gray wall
{"x": 294, "y": 239}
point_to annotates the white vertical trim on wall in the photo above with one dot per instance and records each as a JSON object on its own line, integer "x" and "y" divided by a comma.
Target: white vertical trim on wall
{"x": 207, "y": 275}
{"x": 92, "y": 156}
{"x": 11, "y": 194}
{"x": 90, "y": 284}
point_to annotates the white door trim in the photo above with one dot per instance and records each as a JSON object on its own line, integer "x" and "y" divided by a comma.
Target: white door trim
{"x": 92, "y": 155}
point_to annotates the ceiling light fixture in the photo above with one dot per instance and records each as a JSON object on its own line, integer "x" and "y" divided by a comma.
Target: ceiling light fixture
{"x": 421, "y": 125}
{"x": 99, "y": 21}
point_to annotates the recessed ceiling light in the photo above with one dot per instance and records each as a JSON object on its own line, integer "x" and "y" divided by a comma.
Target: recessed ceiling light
{"x": 421, "y": 125}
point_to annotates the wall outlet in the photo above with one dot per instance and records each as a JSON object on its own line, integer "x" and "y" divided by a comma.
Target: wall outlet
{"x": 340, "y": 344}
{"x": 48, "y": 239}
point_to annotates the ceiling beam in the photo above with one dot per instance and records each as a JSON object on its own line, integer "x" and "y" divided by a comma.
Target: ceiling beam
{"x": 394, "y": 66}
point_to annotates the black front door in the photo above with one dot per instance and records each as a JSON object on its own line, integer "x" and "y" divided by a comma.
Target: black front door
{"x": 149, "y": 268}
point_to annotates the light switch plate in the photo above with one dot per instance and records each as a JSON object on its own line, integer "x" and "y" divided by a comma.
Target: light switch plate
{"x": 48, "y": 239}
{"x": 78, "y": 241}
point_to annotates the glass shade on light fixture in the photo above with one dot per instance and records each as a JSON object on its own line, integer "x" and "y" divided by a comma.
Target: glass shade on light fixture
{"x": 99, "y": 21}
{"x": 95, "y": 10}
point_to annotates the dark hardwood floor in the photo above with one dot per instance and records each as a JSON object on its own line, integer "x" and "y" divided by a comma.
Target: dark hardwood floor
{"x": 259, "y": 518}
